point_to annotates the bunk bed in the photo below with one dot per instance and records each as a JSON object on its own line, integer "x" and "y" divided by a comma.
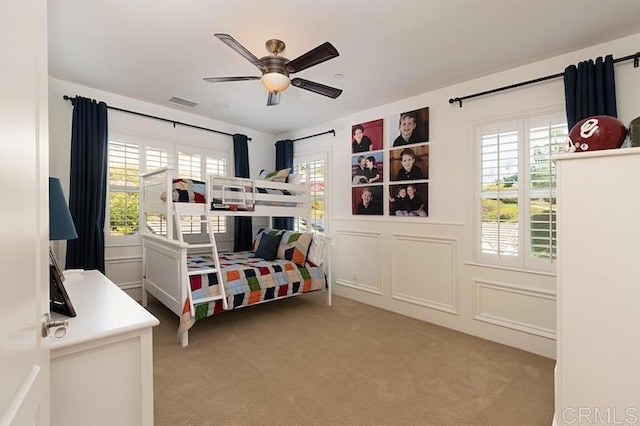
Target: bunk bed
{"x": 186, "y": 276}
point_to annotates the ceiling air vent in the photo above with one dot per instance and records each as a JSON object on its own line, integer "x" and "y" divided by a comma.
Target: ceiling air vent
{"x": 182, "y": 102}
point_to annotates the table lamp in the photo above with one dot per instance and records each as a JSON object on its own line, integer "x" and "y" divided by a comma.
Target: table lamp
{"x": 60, "y": 228}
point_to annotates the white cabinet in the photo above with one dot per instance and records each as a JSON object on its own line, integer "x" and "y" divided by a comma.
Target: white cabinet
{"x": 102, "y": 369}
{"x": 597, "y": 379}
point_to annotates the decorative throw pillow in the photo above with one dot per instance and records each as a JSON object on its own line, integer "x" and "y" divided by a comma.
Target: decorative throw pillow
{"x": 295, "y": 178}
{"x": 316, "y": 250}
{"x": 278, "y": 176}
{"x": 268, "y": 247}
{"x": 294, "y": 246}
{"x": 263, "y": 174}
{"x": 256, "y": 240}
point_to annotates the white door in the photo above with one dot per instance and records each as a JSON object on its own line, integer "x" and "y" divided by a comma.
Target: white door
{"x": 24, "y": 218}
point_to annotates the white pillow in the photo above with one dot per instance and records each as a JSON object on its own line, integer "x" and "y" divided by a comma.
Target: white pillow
{"x": 316, "y": 250}
{"x": 295, "y": 178}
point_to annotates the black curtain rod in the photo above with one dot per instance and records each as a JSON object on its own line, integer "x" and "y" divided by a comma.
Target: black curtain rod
{"x": 317, "y": 134}
{"x": 174, "y": 122}
{"x": 635, "y": 57}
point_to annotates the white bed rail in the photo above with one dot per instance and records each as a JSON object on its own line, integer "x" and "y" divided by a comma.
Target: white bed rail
{"x": 164, "y": 256}
{"x": 156, "y": 199}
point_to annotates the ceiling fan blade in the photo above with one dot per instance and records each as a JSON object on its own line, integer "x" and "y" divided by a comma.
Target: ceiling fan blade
{"x": 318, "y": 88}
{"x": 223, "y": 79}
{"x": 233, "y": 43}
{"x": 273, "y": 99}
{"x": 316, "y": 56}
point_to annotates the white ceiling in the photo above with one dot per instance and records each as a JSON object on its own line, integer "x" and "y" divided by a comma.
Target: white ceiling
{"x": 153, "y": 50}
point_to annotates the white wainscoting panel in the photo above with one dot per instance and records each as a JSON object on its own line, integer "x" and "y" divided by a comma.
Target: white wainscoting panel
{"x": 424, "y": 271}
{"x": 524, "y": 309}
{"x": 358, "y": 264}
{"x": 126, "y": 273}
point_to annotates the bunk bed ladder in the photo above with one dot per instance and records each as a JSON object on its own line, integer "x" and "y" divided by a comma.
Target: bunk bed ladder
{"x": 204, "y": 219}
{"x": 214, "y": 253}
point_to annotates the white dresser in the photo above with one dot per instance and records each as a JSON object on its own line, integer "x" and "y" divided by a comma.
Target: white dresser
{"x": 102, "y": 369}
{"x": 597, "y": 379}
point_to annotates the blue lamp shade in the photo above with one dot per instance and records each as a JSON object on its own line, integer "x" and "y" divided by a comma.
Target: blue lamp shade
{"x": 60, "y": 222}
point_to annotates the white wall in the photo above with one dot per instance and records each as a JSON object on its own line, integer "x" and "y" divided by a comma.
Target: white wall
{"x": 123, "y": 263}
{"x": 377, "y": 259}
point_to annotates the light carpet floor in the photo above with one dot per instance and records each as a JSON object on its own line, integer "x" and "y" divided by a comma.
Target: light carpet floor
{"x": 300, "y": 362}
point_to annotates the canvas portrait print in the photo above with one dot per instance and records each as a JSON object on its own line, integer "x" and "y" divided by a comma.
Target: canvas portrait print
{"x": 409, "y": 127}
{"x": 367, "y": 168}
{"x": 366, "y": 200}
{"x": 409, "y": 199}
{"x": 367, "y": 136}
{"x": 409, "y": 163}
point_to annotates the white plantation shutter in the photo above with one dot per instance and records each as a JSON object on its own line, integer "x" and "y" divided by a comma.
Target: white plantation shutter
{"x": 196, "y": 166}
{"x": 156, "y": 158}
{"x": 124, "y": 170}
{"x": 517, "y": 197}
{"x": 190, "y": 166}
{"x": 127, "y": 156}
{"x": 314, "y": 173}
{"x": 547, "y": 136}
{"x": 499, "y": 192}
{"x": 218, "y": 167}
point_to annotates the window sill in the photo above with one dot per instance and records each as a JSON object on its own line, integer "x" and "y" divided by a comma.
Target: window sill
{"x": 507, "y": 268}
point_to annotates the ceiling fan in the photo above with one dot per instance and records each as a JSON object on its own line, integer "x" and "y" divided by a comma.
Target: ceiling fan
{"x": 276, "y": 69}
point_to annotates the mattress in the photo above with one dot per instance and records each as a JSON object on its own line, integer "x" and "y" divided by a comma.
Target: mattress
{"x": 248, "y": 280}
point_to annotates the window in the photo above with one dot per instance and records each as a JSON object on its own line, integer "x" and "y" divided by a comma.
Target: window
{"x": 218, "y": 167}
{"x": 124, "y": 160}
{"x": 127, "y": 157}
{"x": 156, "y": 158}
{"x": 516, "y": 201}
{"x": 313, "y": 171}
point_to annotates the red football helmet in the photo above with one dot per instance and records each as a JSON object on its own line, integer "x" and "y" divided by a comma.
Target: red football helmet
{"x": 596, "y": 132}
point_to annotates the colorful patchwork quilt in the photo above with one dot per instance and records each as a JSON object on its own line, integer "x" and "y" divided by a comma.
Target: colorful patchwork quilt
{"x": 186, "y": 191}
{"x": 248, "y": 280}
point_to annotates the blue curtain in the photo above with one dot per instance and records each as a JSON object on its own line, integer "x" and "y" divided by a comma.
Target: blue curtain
{"x": 243, "y": 232}
{"x": 284, "y": 160}
{"x": 590, "y": 89}
{"x": 88, "y": 183}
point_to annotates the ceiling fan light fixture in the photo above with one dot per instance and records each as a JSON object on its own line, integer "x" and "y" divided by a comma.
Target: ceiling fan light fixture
{"x": 275, "y": 82}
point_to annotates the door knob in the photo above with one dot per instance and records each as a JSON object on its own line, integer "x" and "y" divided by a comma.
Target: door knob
{"x": 60, "y": 327}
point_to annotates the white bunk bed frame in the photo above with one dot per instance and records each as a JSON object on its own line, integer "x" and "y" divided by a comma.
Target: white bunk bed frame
{"x": 164, "y": 258}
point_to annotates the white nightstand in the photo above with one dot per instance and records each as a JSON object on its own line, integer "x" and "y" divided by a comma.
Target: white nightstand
{"x": 102, "y": 369}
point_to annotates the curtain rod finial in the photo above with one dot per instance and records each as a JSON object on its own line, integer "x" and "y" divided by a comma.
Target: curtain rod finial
{"x": 453, "y": 100}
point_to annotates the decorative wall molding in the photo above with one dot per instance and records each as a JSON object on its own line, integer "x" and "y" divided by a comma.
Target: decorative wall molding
{"x": 506, "y": 268}
{"x": 122, "y": 259}
{"x": 360, "y": 287}
{"x": 124, "y": 271}
{"x": 357, "y": 262}
{"x": 425, "y": 271}
{"x": 514, "y": 307}
{"x": 131, "y": 286}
